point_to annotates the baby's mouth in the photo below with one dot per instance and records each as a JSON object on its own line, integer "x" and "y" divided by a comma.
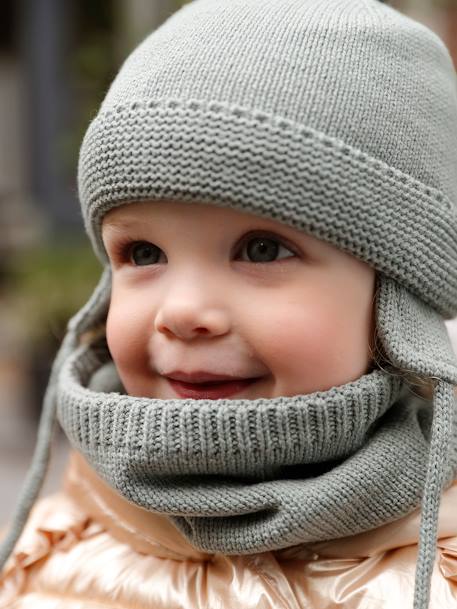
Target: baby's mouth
{"x": 210, "y": 390}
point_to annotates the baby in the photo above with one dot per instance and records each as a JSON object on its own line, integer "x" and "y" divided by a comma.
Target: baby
{"x": 259, "y": 393}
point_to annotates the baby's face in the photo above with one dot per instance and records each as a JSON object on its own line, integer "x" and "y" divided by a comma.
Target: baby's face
{"x": 204, "y": 288}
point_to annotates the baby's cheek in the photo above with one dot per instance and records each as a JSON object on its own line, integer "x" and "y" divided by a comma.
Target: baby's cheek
{"x": 123, "y": 333}
{"x": 316, "y": 347}
{"x": 125, "y": 338}
{"x": 349, "y": 352}
{"x": 300, "y": 345}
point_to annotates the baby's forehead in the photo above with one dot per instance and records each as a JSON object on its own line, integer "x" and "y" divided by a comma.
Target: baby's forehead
{"x": 217, "y": 219}
{"x": 168, "y": 207}
{"x": 156, "y": 212}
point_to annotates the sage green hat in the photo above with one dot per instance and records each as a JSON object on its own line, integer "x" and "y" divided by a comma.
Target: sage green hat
{"x": 336, "y": 118}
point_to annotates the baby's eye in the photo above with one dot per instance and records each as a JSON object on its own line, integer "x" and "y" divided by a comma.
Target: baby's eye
{"x": 264, "y": 249}
{"x": 258, "y": 248}
{"x": 143, "y": 253}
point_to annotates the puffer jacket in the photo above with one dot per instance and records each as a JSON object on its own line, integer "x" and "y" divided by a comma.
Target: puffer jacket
{"x": 87, "y": 547}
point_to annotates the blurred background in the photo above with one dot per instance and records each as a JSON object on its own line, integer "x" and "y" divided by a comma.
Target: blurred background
{"x": 57, "y": 59}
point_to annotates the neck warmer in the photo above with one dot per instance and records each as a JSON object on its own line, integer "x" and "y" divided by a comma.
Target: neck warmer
{"x": 243, "y": 476}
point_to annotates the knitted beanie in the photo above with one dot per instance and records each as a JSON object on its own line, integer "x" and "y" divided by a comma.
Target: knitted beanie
{"x": 335, "y": 117}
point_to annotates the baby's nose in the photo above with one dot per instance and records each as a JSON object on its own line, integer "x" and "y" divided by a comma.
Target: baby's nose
{"x": 187, "y": 321}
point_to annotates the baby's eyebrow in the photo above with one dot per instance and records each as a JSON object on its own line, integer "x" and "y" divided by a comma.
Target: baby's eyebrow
{"x": 120, "y": 224}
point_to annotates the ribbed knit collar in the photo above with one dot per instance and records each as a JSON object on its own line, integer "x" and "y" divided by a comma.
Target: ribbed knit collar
{"x": 244, "y": 476}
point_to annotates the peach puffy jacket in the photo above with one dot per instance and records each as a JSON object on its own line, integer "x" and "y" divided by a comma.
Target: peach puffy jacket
{"x": 87, "y": 547}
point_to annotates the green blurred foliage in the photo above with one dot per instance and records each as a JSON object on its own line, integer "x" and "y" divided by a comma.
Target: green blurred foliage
{"x": 49, "y": 284}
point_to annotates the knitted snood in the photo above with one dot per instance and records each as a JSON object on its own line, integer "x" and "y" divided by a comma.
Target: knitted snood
{"x": 243, "y": 476}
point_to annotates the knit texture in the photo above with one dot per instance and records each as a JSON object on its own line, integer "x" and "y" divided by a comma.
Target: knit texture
{"x": 243, "y": 476}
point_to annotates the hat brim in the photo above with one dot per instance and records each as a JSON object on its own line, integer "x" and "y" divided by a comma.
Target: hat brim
{"x": 413, "y": 334}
